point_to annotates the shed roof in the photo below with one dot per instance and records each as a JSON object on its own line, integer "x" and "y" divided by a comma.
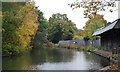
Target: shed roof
{"x": 104, "y": 29}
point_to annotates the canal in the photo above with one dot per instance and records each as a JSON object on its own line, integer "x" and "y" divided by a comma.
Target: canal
{"x": 54, "y": 59}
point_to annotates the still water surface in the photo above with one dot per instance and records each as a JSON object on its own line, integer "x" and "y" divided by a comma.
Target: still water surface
{"x": 54, "y": 59}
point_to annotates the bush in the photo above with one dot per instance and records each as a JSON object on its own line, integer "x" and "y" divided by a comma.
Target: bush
{"x": 115, "y": 55}
{"x": 49, "y": 44}
{"x": 92, "y": 48}
{"x": 11, "y": 49}
{"x": 70, "y": 46}
{"x": 55, "y": 45}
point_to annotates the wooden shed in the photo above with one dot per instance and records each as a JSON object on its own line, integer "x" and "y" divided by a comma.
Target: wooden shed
{"x": 110, "y": 36}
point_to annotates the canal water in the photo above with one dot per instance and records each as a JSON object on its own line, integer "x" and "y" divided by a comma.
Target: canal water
{"x": 55, "y": 59}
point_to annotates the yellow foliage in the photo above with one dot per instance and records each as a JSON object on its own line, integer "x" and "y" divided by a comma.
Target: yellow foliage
{"x": 28, "y": 27}
{"x": 95, "y": 22}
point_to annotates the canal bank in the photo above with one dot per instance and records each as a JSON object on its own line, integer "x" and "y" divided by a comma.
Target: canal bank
{"x": 114, "y": 65}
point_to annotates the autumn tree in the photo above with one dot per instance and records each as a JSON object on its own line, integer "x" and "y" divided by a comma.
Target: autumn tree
{"x": 19, "y": 26}
{"x": 91, "y": 11}
{"x": 78, "y": 34}
{"x": 95, "y": 22}
{"x": 29, "y": 25}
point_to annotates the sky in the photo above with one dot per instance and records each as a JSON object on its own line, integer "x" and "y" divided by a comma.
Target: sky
{"x": 49, "y": 7}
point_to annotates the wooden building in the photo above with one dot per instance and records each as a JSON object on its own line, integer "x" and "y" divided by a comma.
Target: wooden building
{"x": 110, "y": 36}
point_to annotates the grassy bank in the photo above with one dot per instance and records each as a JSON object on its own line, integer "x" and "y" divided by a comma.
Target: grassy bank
{"x": 80, "y": 47}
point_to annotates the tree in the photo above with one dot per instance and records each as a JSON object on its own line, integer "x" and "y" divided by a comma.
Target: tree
{"x": 19, "y": 26}
{"x": 78, "y": 34}
{"x": 95, "y": 22}
{"x": 56, "y": 34}
{"x": 61, "y": 27}
{"x": 29, "y": 25}
{"x": 41, "y": 34}
{"x": 93, "y": 7}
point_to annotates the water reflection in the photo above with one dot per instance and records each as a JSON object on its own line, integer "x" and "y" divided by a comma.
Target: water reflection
{"x": 53, "y": 59}
{"x": 50, "y": 55}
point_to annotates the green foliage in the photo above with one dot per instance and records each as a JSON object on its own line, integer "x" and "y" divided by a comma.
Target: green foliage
{"x": 11, "y": 49}
{"x": 91, "y": 48}
{"x": 93, "y": 7}
{"x": 41, "y": 36}
{"x": 49, "y": 45}
{"x": 56, "y": 34}
{"x": 60, "y": 28}
{"x": 19, "y": 27}
{"x": 86, "y": 38}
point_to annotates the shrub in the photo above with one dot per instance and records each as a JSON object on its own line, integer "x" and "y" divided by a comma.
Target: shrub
{"x": 69, "y": 46}
{"x": 92, "y": 48}
{"x": 11, "y": 49}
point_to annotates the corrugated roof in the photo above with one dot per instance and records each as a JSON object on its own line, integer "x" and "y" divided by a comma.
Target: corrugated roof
{"x": 102, "y": 30}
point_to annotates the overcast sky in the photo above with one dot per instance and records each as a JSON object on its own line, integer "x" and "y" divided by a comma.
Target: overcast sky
{"x": 49, "y": 7}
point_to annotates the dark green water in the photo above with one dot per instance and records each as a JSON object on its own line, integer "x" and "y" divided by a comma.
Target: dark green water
{"x": 54, "y": 59}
